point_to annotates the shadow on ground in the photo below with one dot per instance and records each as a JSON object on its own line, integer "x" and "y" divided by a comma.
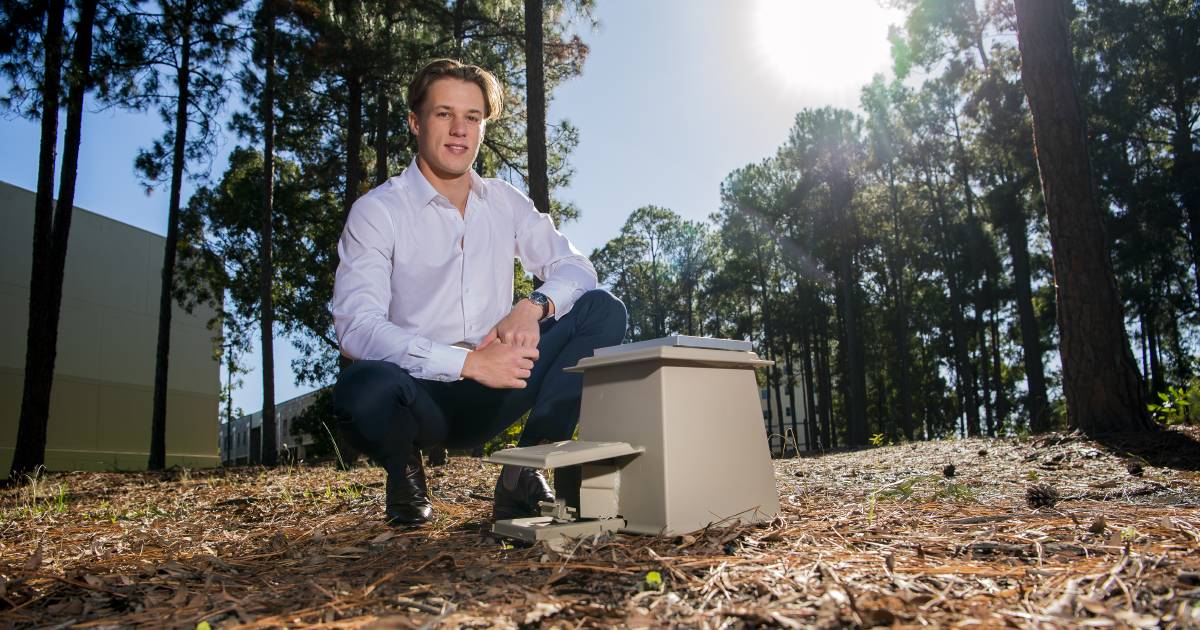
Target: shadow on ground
{"x": 1178, "y": 448}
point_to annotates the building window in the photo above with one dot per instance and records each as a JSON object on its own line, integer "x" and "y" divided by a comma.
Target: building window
{"x": 788, "y": 411}
{"x": 766, "y": 414}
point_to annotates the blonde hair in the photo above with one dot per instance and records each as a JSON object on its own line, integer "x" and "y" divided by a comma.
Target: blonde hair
{"x": 493, "y": 93}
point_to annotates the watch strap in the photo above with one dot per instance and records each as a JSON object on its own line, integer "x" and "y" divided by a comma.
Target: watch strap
{"x": 541, "y": 300}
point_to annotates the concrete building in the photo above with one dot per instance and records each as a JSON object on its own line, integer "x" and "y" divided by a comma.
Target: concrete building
{"x": 793, "y": 417}
{"x": 247, "y": 434}
{"x": 100, "y": 407}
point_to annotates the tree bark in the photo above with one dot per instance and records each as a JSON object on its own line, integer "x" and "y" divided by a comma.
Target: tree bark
{"x": 964, "y": 369}
{"x": 856, "y": 429}
{"x": 30, "y": 448}
{"x": 985, "y": 376}
{"x": 1158, "y": 381}
{"x": 1037, "y": 403}
{"x": 1002, "y": 401}
{"x": 158, "y": 422}
{"x": 900, "y": 304}
{"x": 270, "y": 455}
{"x": 1100, "y": 379}
{"x": 789, "y": 383}
{"x": 824, "y": 382}
{"x": 1185, "y": 172}
{"x": 78, "y": 82}
{"x": 229, "y": 404}
{"x": 383, "y": 109}
{"x": 535, "y": 105}
{"x": 811, "y": 416}
{"x": 354, "y": 92}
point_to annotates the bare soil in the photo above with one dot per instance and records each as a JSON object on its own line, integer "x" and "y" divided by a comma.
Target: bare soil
{"x": 937, "y": 533}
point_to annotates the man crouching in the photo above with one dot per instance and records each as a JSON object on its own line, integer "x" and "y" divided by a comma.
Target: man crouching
{"x": 423, "y": 304}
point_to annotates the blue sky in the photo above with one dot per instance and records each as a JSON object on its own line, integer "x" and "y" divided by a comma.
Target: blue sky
{"x": 673, "y": 97}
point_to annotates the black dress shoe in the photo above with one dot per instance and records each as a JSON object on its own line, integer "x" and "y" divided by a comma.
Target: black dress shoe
{"x": 518, "y": 492}
{"x": 407, "y": 495}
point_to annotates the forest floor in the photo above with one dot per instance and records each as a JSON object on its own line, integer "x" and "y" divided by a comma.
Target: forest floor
{"x": 879, "y": 537}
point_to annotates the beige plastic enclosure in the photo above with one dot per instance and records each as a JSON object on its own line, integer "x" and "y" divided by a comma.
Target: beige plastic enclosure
{"x": 670, "y": 441}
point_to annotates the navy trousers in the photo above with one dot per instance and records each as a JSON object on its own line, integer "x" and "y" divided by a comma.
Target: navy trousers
{"x": 384, "y": 411}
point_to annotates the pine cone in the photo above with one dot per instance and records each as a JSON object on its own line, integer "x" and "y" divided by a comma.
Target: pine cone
{"x": 948, "y": 471}
{"x": 1041, "y": 495}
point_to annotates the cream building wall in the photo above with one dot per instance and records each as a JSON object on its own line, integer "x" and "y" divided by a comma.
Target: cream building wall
{"x": 101, "y": 402}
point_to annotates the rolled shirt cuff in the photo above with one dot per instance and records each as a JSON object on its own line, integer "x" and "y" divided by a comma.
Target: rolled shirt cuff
{"x": 563, "y": 294}
{"x": 441, "y": 362}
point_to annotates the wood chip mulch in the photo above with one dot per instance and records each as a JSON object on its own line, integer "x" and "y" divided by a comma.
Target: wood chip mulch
{"x": 1054, "y": 531}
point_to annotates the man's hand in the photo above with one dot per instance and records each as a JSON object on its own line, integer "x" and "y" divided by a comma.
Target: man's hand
{"x": 500, "y": 365}
{"x": 518, "y": 328}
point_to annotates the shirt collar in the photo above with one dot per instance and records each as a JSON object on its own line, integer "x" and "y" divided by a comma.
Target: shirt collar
{"x": 421, "y": 192}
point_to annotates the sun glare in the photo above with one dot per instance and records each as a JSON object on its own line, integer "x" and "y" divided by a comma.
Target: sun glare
{"x": 826, "y": 49}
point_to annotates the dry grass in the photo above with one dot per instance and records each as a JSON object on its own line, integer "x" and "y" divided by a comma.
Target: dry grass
{"x": 877, "y": 537}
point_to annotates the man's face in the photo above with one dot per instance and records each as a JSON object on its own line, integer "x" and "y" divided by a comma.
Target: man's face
{"x": 449, "y": 126}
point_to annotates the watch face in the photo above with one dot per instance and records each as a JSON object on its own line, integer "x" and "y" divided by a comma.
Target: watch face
{"x": 541, "y": 300}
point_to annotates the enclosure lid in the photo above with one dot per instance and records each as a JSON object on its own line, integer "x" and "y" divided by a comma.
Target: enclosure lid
{"x": 679, "y": 341}
{"x": 559, "y": 454}
{"x": 675, "y": 355}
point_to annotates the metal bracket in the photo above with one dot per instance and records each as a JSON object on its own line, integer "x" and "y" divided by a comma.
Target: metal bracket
{"x": 539, "y": 528}
{"x": 558, "y": 511}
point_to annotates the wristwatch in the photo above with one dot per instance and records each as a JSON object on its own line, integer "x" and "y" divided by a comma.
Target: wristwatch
{"x": 539, "y": 298}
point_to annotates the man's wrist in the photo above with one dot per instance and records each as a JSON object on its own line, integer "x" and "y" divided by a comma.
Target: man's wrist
{"x": 543, "y": 302}
{"x": 468, "y": 364}
{"x": 528, "y": 307}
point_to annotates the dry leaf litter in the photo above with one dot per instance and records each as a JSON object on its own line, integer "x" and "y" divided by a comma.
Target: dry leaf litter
{"x": 940, "y": 533}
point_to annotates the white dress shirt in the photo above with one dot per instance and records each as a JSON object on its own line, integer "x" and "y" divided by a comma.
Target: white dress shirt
{"x": 406, "y": 291}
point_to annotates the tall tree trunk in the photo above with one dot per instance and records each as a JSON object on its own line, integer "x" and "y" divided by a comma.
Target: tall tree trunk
{"x": 1157, "y": 379}
{"x": 1145, "y": 342}
{"x": 904, "y": 364}
{"x": 985, "y": 382}
{"x": 856, "y": 429}
{"x": 1100, "y": 380}
{"x": 789, "y": 383}
{"x": 535, "y": 106}
{"x": 1002, "y": 402}
{"x": 1185, "y": 171}
{"x": 973, "y": 254}
{"x": 158, "y": 423}
{"x": 690, "y": 295}
{"x": 354, "y": 94}
{"x": 900, "y": 306}
{"x": 382, "y": 107}
{"x": 270, "y": 455}
{"x": 1037, "y": 403}
{"x": 78, "y": 81}
{"x": 459, "y": 19}
{"x": 229, "y": 404}
{"x": 824, "y": 381}
{"x": 811, "y": 416}
{"x": 773, "y": 373}
{"x": 29, "y": 451}
{"x": 964, "y": 369}
{"x": 354, "y": 91}
{"x": 769, "y": 333}
{"x": 658, "y": 315}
